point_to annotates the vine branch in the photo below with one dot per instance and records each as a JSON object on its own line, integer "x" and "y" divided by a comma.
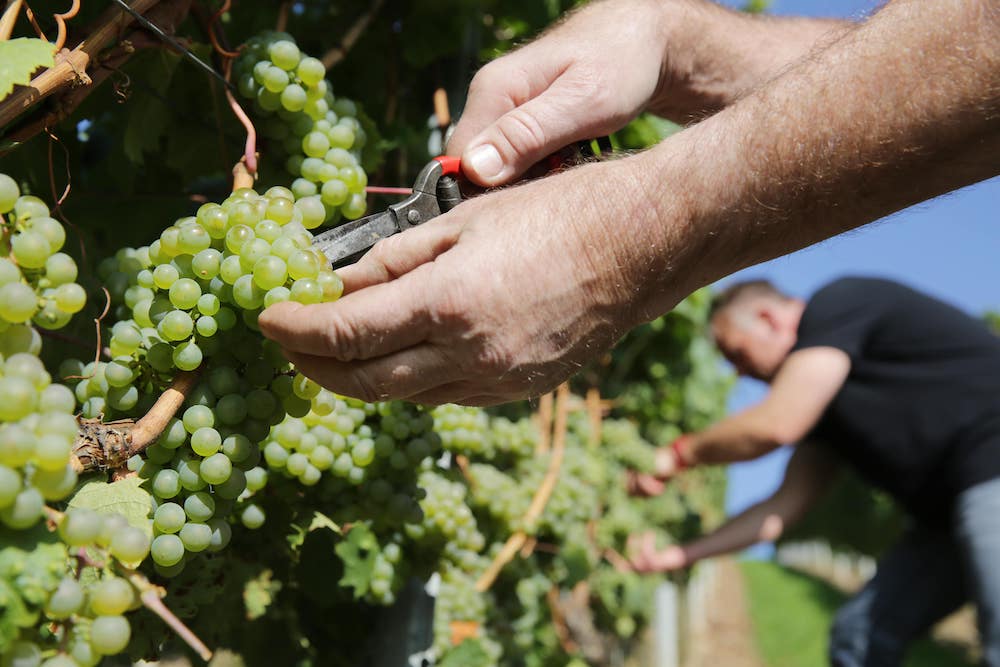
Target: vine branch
{"x": 339, "y": 52}
{"x": 9, "y": 18}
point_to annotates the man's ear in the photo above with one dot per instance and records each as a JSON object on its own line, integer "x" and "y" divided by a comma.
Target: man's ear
{"x": 767, "y": 313}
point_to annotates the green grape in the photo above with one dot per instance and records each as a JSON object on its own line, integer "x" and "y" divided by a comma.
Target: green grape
{"x": 208, "y": 304}
{"x": 195, "y": 536}
{"x": 51, "y": 229}
{"x": 10, "y": 486}
{"x": 216, "y": 468}
{"x": 306, "y": 291}
{"x": 123, "y": 399}
{"x": 276, "y": 295}
{"x": 199, "y": 506}
{"x": 22, "y": 654}
{"x": 222, "y": 533}
{"x": 29, "y": 206}
{"x": 190, "y": 475}
{"x": 60, "y": 269}
{"x": 175, "y": 325}
{"x": 237, "y": 447}
{"x": 17, "y": 302}
{"x": 193, "y": 239}
{"x": 25, "y": 511}
{"x": 167, "y": 549}
{"x": 184, "y": 293}
{"x": 231, "y": 409}
{"x": 297, "y": 463}
{"x": 253, "y": 516}
{"x": 275, "y": 80}
{"x": 268, "y": 230}
{"x": 52, "y": 452}
{"x": 9, "y": 192}
{"x": 169, "y": 518}
{"x": 109, "y": 635}
{"x": 256, "y": 479}
{"x": 206, "y": 326}
{"x": 303, "y": 264}
{"x": 196, "y": 417}
{"x": 111, "y": 596}
{"x": 285, "y": 54}
{"x": 225, "y": 318}
{"x": 275, "y": 455}
{"x": 118, "y": 373}
{"x": 165, "y": 275}
{"x": 269, "y": 272}
{"x": 206, "y": 441}
{"x": 247, "y": 294}
{"x": 66, "y": 600}
{"x": 70, "y": 298}
{"x": 232, "y": 487}
{"x": 173, "y": 435}
{"x": 293, "y": 98}
{"x": 188, "y": 356}
{"x": 303, "y": 188}
{"x": 129, "y": 545}
{"x": 31, "y": 249}
{"x": 18, "y": 398}
{"x": 314, "y": 144}
{"x": 311, "y": 71}
{"x": 166, "y": 483}
{"x": 60, "y": 661}
{"x": 355, "y": 207}
{"x": 330, "y": 284}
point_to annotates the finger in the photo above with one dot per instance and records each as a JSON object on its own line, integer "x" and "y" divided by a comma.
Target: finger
{"x": 395, "y": 376}
{"x": 399, "y": 254}
{"x": 461, "y": 393}
{"x": 530, "y": 132}
{"x": 369, "y": 323}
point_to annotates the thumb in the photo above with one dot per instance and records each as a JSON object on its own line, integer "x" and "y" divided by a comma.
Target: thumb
{"x": 527, "y": 134}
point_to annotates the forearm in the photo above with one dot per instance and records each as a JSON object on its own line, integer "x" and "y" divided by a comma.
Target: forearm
{"x": 764, "y": 522}
{"x": 895, "y": 112}
{"x": 714, "y": 55}
{"x": 742, "y": 437}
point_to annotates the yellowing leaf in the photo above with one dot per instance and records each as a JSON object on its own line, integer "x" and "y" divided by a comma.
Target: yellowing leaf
{"x": 19, "y": 58}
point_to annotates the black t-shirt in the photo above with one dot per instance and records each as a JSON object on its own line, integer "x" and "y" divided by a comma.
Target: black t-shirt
{"x": 919, "y": 413}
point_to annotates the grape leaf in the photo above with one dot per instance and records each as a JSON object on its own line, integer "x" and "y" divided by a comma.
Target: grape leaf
{"x": 19, "y": 58}
{"x": 358, "y": 552}
{"x": 469, "y": 653}
{"x": 125, "y": 497}
{"x": 259, "y": 593}
{"x": 149, "y": 113}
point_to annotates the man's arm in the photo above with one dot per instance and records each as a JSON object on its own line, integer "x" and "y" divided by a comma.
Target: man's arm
{"x": 810, "y": 470}
{"x": 510, "y": 293}
{"x": 801, "y": 391}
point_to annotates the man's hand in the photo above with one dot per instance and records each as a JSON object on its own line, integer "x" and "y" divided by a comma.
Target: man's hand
{"x": 503, "y": 297}
{"x": 646, "y": 558}
{"x": 667, "y": 463}
{"x": 643, "y": 484}
{"x": 609, "y": 61}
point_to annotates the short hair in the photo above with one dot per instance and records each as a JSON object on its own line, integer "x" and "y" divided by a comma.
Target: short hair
{"x": 743, "y": 291}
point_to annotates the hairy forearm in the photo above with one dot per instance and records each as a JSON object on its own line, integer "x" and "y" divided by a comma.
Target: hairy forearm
{"x": 902, "y": 109}
{"x": 742, "y": 437}
{"x": 714, "y": 55}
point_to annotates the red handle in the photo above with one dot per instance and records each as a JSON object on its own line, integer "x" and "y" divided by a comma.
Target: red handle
{"x": 450, "y": 165}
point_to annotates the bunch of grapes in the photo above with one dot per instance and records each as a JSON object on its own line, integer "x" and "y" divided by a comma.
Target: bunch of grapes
{"x": 37, "y": 282}
{"x": 449, "y": 526}
{"x": 320, "y": 134}
{"x": 458, "y": 602}
{"x": 472, "y": 432}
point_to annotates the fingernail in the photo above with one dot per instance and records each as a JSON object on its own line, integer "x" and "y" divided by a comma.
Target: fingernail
{"x": 486, "y": 162}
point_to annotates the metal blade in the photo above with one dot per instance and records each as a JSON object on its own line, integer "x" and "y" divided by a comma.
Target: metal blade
{"x": 345, "y": 244}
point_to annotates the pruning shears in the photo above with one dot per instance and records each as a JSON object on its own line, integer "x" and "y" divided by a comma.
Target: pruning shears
{"x": 435, "y": 191}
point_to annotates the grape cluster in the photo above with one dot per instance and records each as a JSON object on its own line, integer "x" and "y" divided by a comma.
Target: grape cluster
{"x": 458, "y": 601}
{"x": 320, "y": 134}
{"x": 470, "y": 431}
{"x": 448, "y": 524}
{"x": 37, "y": 282}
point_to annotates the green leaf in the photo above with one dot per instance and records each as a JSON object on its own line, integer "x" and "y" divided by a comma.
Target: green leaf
{"x": 19, "y": 58}
{"x": 358, "y": 552}
{"x": 148, "y": 115}
{"x": 125, "y": 497}
{"x": 469, "y": 653}
{"x": 258, "y": 594}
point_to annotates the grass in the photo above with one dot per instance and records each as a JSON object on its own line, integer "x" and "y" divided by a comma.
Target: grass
{"x": 792, "y": 612}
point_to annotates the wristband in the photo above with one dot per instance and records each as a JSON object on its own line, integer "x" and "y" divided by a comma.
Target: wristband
{"x": 680, "y": 448}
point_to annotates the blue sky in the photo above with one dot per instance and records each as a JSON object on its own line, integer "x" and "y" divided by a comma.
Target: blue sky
{"x": 949, "y": 247}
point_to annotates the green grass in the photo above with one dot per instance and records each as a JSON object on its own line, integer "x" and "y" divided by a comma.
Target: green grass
{"x": 792, "y": 612}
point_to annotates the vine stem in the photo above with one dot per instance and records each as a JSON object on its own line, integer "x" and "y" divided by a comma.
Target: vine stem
{"x": 71, "y": 65}
{"x": 518, "y": 540}
{"x": 152, "y": 598}
{"x": 151, "y": 425}
{"x": 338, "y": 53}
{"x": 9, "y": 18}
{"x": 250, "y": 148}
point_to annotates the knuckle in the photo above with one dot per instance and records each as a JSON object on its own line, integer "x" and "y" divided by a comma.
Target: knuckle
{"x": 521, "y": 130}
{"x": 340, "y": 340}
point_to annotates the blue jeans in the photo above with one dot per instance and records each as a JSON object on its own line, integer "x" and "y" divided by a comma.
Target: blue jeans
{"x": 925, "y": 577}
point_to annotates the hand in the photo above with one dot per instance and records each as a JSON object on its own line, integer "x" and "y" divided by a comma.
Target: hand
{"x": 503, "y": 297}
{"x": 587, "y": 77}
{"x": 643, "y": 484}
{"x": 646, "y": 558}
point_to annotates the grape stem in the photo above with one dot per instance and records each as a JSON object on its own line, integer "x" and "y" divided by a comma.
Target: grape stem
{"x": 101, "y": 446}
{"x": 152, "y": 598}
{"x": 518, "y": 540}
{"x": 339, "y": 52}
{"x": 9, "y": 18}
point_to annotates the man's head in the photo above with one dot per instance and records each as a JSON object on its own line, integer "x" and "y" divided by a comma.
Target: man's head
{"x": 755, "y": 327}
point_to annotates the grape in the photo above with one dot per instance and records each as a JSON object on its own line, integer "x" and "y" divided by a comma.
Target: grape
{"x": 51, "y": 229}
{"x": 206, "y": 441}
{"x": 65, "y": 600}
{"x": 109, "y": 635}
{"x": 70, "y": 298}
{"x": 60, "y": 661}
{"x": 55, "y": 484}
{"x": 52, "y": 452}
{"x": 167, "y": 550}
{"x": 25, "y": 511}
{"x": 118, "y": 373}
{"x": 184, "y": 293}
{"x": 193, "y": 239}
{"x": 293, "y": 97}
{"x": 231, "y": 409}
{"x": 216, "y": 468}
{"x": 173, "y": 435}
{"x": 221, "y": 534}
{"x": 187, "y": 356}
{"x": 196, "y": 417}
{"x": 311, "y": 71}
{"x": 195, "y": 536}
{"x": 166, "y": 483}
{"x": 10, "y": 486}
{"x": 169, "y": 518}
{"x": 9, "y": 192}
{"x": 165, "y": 275}
{"x": 199, "y": 506}
{"x": 252, "y": 517}
{"x": 285, "y": 54}
{"x": 17, "y": 302}
{"x": 175, "y": 325}
{"x": 60, "y": 269}
{"x": 129, "y": 544}
{"x": 314, "y": 144}
{"x": 274, "y": 80}
{"x": 269, "y": 272}
{"x": 208, "y": 304}
{"x": 22, "y": 654}
{"x": 247, "y": 294}
{"x": 190, "y": 475}
{"x": 31, "y": 249}
{"x": 111, "y": 597}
